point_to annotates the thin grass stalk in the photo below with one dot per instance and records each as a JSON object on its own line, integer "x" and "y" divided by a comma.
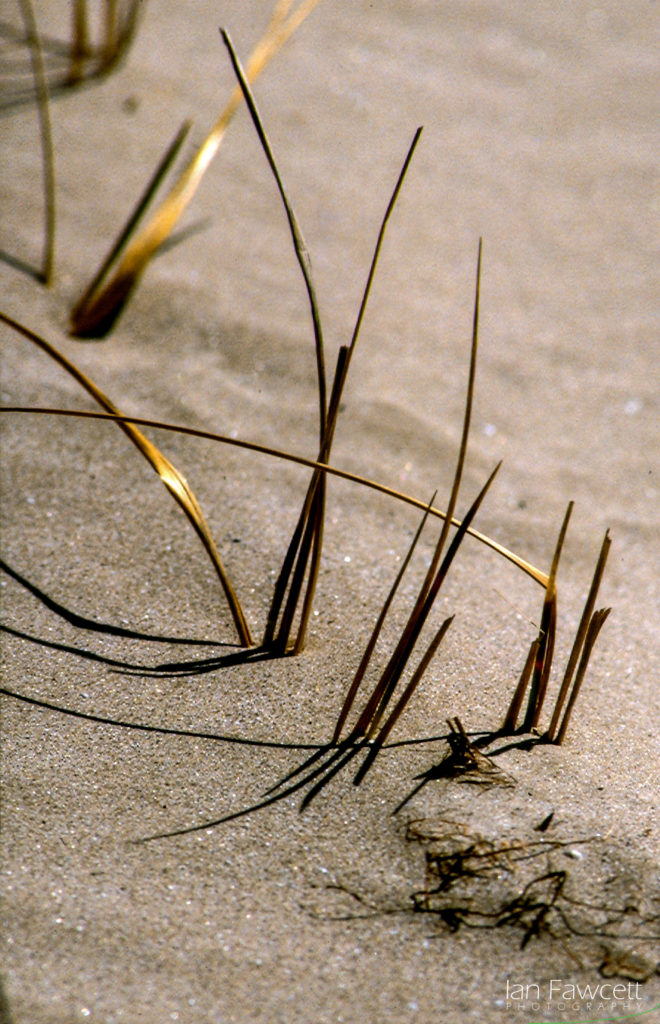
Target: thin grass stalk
{"x": 530, "y": 570}
{"x": 313, "y": 525}
{"x": 549, "y": 625}
{"x": 314, "y": 566}
{"x": 175, "y": 482}
{"x": 403, "y": 700}
{"x": 300, "y": 246}
{"x": 150, "y": 238}
{"x": 546, "y": 635}
{"x": 105, "y": 317}
{"x": 511, "y": 718}
{"x": 342, "y": 373}
{"x": 312, "y": 537}
{"x": 46, "y": 136}
{"x": 373, "y": 639}
{"x": 595, "y": 625}
{"x": 581, "y": 633}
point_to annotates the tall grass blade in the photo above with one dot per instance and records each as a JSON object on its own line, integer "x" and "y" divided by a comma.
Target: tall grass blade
{"x": 312, "y": 501}
{"x": 373, "y": 639}
{"x": 511, "y": 718}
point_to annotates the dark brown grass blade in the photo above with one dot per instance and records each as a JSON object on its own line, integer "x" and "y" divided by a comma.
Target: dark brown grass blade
{"x": 46, "y": 135}
{"x": 530, "y": 570}
{"x": 581, "y": 633}
{"x": 377, "y": 703}
{"x": 546, "y": 635}
{"x": 94, "y": 314}
{"x": 511, "y": 718}
{"x": 595, "y": 626}
{"x": 175, "y": 482}
{"x": 403, "y": 700}
{"x": 373, "y": 639}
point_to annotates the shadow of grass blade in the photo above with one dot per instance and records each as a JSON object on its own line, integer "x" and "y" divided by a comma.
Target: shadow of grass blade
{"x": 175, "y": 482}
{"x": 164, "y": 219}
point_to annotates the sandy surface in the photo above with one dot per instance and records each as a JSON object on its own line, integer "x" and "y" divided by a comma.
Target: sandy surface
{"x": 539, "y": 136}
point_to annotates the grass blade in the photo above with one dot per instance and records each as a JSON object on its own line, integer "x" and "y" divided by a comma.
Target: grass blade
{"x": 175, "y": 482}
{"x": 366, "y": 657}
{"x": 300, "y": 246}
{"x": 595, "y": 626}
{"x": 530, "y": 570}
{"x": 103, "y": 306}
{"x": 546, "y": 635}
{"x": 581, "y": 633}
{"x": 403, "y": 700}
{"x": 511, "y": 718}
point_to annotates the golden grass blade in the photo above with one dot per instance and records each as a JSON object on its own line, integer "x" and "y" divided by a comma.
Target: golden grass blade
{"x": 175, "y": 482}
{"x": 401, "y": 704}
{"x": 105, "y": 312}
{"x": 581, "y": 633}
{"x": 47, "y": 156}
{"x": 164, "y": 219}
{"x": 373, "y": 639}
{"x": 511, "y": 718}
{"x": 595, "y": 626}
{"x": 530, "y": 570}
{"x": 546, "y": 635}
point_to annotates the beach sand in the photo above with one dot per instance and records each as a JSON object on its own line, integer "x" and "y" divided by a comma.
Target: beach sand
{"x": 539, "y": 131}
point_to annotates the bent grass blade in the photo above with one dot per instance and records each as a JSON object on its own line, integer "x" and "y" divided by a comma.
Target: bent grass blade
{"x": 175, "y": 482}
{"x": 408, "y": 499}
